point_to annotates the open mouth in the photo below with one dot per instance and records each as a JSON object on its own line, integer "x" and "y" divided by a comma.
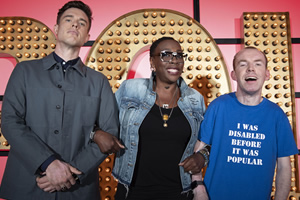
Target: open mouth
{"x": 250, "y": 78}
{"x": 173, "y": 70}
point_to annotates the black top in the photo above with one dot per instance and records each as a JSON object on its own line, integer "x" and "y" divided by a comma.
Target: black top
{"x": 160, "y": 150}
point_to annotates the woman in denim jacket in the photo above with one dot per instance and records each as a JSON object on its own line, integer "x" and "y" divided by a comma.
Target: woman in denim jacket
{"x": 159, "y": 124}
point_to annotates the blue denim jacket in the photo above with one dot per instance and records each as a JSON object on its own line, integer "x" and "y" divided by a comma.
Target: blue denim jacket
{"x": 135, "y": 98}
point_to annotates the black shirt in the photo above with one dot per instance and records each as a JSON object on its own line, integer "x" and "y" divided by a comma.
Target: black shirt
{"x": 63, "y": 63}
{"x": 160, "y": 150}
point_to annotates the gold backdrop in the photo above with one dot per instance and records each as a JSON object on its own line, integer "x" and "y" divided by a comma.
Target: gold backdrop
{"x": 270, "y": 32}
{"x": 117, "y": 47}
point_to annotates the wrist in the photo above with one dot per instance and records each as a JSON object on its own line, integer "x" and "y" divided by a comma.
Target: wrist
{"x": 199, "y": 189}
{"x": 200, "y": 192}
{"x": 196, "y": 183}
{"x": 47, "y": 162}
{"x": 93, "y": 132}
{"x": 205, "y": 154}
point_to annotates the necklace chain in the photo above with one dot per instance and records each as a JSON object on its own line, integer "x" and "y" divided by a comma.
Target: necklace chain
{"x": 166, "y": 117}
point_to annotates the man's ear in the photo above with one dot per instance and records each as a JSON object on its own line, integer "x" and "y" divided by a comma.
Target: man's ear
{"x": 233, "y": 76}
{"x": 87, "y": 38}
{"x": 267, "y": 75}
{"x": 55, "y": 28}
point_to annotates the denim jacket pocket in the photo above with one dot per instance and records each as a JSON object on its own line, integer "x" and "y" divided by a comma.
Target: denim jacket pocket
{"x": 128, "y": 107}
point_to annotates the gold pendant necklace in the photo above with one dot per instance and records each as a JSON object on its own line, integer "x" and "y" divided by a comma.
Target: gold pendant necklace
{"x": 166, "y": 117}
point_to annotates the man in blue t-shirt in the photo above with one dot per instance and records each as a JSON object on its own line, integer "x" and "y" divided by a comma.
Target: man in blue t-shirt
{"x": 248, "y": 135}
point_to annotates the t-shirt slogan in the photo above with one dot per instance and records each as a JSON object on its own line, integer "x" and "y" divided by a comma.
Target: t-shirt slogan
{"x": 246, "y": 143}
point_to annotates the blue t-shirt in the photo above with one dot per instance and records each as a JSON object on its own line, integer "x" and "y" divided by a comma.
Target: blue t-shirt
{"x": 246, "y": 142}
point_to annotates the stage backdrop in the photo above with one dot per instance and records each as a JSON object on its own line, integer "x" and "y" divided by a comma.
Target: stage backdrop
{"x": 222, "y": 19}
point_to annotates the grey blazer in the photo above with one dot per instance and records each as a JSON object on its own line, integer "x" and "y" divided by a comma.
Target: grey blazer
{"x": 46, "y": 112}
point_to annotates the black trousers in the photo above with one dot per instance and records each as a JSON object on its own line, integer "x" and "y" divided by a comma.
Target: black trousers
{"x": 121, "y": 195}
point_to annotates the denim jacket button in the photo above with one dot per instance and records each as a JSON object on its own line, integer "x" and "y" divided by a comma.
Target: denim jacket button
{"x": 136, "y": 123}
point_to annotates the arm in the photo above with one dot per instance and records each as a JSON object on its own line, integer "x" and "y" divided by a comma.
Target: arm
{"x": 90, "y": 157}
{"x": 199, "y": 145}
{"x": 283, "y": 178}
{"x": 194, "y": 163}
{"x": 200, "y": 192}
{"x": 286, "y": 147}
{"x": 106, "y": 142}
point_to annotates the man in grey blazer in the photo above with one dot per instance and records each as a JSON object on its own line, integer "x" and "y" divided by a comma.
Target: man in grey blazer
{"x": 50, "y": 110}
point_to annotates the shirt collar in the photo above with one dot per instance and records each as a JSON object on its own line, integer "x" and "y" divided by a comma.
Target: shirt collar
{"x": 64, "y": 63}
{"x": 49, "y": 61}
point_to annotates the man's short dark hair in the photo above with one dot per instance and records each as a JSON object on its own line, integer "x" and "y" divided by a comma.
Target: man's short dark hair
{"x": 76, "y": 4}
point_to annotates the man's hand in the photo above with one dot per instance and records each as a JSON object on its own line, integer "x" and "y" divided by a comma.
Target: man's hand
{"x": 106, "y": 142}
{"x": 193, "y": 164}
{"x": 44, "y": 184}
{"x": 58, "y": 176}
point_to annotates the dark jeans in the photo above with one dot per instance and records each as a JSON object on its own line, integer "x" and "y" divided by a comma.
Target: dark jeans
{"x": 121, "y": 195}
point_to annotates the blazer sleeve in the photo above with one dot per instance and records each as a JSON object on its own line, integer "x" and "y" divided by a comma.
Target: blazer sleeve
{"x": 91, "y": 157}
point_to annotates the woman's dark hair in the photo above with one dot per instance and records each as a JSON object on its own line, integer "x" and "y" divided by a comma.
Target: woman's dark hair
{"x": 75, "y": 4}
{"x": 152, "y": 49}
{"x": 157, "y": 42}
